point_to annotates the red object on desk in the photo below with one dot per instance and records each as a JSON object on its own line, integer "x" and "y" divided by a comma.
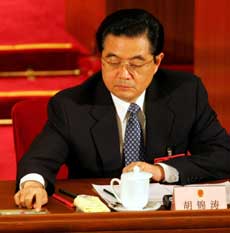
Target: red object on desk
{"x": 63, "y": 200}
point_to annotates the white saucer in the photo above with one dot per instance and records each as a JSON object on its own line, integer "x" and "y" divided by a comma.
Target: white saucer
{"x": 152, "y": 205}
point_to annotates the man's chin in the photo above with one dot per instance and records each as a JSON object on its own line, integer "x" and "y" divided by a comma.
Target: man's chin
{"x": 125, "y": 97}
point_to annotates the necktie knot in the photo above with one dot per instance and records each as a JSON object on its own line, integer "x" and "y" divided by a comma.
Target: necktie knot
{"x": 133, "y": 108}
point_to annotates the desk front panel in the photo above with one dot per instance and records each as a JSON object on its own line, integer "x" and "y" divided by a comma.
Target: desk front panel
{"x": 65, "y": 219}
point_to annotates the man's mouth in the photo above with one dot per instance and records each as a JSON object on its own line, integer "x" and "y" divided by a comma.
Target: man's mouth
{"x": 124, "y": 87}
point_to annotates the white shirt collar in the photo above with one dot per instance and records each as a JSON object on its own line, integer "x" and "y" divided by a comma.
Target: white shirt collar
{"x": 122, "y": 106}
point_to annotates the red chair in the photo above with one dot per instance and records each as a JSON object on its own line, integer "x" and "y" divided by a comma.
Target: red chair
{"x": 29, "y": 117}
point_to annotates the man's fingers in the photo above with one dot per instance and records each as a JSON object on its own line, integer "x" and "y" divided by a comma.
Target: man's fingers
{"x": 20, "y": 199}
{"x": 156, "y": 170}
{"x": 130, "y": 167}
{"x": 31, "y": 197}
{"x": 40, "y": 200}
{"x": 25, "y": 199}
{"x": 37, "y": 203}
{"x": 17, "y": 198}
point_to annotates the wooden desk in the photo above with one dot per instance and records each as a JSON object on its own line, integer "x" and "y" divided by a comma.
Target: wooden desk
{"x": 64, "y": 219}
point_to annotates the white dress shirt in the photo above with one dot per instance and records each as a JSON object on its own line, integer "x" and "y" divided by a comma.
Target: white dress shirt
{"x": 171, "y": 174}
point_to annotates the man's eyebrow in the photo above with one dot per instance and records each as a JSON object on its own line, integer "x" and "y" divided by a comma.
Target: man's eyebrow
{"x": 138, "y": 57}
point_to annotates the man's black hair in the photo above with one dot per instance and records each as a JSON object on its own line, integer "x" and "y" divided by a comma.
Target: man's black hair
{"x": 132, "y": 23}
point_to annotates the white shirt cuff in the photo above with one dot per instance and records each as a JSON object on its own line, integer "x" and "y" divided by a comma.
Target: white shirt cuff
{"x": 171, "y": 173}
{"x": 32, "y": 177}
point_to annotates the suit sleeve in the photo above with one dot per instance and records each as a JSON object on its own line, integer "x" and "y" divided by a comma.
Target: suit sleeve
{"x": 209, "y": 145}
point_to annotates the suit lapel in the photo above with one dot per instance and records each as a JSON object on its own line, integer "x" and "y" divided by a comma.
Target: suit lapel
{"x": 159, "y": 121}
{"x": 105, "y": 130}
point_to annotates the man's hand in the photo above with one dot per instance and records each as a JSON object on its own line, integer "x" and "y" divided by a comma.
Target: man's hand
{"x": 156, "y": 170}
{"x": 32, "y": 195}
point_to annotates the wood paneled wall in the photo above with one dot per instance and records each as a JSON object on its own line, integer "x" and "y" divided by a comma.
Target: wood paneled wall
{"x": 212, "y": 49}
{"x": 177, "y": 16}
{"x": 83, "y": 18}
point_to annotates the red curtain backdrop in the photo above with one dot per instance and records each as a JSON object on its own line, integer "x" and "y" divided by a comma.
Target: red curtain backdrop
{"x": 212, "y": 49}
{"x": 82, "y": 19}
{"x": 33, "y": 21}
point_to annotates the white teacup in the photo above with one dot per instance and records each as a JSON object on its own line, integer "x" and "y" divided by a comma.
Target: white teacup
{"x": 134, "y": 189}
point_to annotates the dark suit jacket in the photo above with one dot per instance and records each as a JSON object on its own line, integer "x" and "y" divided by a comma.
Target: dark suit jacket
{"x": 82, "y": 131}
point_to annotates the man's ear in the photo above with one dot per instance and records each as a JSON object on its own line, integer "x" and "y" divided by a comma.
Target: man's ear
{"x": 159, "y": 58}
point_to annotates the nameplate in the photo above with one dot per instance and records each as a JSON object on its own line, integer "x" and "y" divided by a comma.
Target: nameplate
{"x": 199, "y": 198}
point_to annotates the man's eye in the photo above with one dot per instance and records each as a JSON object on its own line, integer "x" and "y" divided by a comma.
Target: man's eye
{"x": 114, "y": 62}
{"x": 135, "y": 65}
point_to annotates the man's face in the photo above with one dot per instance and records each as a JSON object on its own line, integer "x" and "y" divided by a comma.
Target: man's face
{"x": 128, "y": 66}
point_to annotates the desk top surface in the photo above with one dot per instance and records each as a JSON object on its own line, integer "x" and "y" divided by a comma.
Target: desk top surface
{"x": 64, "y": 219}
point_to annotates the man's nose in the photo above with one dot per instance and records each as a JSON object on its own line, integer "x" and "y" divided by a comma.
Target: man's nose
{"x": 124, "y": 72}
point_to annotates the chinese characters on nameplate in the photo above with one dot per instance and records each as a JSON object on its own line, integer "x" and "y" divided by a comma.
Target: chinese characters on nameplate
{"x": 200, "y": 198}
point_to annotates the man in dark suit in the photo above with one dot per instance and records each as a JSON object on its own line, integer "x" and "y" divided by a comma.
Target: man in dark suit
{"x": 86, "y": 127}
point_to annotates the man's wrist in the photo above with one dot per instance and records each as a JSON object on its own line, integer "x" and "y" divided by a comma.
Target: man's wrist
{"x": 31, "y": 183}
{"x": 32, "y": 177}
{"x": 171, "y": 174}
{"x": 161, "y": 174}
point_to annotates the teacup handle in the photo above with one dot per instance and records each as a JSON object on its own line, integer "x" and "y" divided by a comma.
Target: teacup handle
{"x": 115, "y": 180}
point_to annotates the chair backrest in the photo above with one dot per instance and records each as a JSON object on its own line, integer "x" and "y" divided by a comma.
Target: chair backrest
{"x": 29, "y": 117}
